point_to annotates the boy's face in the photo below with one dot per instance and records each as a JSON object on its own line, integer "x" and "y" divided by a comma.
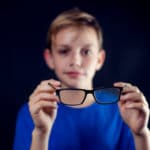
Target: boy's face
{"x": 75, "y": 56}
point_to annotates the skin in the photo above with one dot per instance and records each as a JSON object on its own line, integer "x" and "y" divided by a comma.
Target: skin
{"x": 76, "y": 50}
{"x": 75, "y": 57}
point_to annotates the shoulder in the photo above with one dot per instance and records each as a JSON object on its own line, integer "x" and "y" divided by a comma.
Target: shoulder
{"x": 24, "y": 119}
{"x": 24, "y": 113}
{"x": 23, "y": 109}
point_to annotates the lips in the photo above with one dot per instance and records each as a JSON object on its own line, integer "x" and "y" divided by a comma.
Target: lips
{"x": 74, "y": 74}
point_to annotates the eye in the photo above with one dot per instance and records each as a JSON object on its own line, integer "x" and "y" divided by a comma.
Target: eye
{"x": 86, "y": 52}
{"x": 63, "y": 51}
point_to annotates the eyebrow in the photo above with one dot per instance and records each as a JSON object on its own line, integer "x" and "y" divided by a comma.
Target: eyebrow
{"x": 63, "y": 46}
{"x": 68, "y": 46}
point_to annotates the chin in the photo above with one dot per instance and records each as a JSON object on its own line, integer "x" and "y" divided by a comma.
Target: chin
{"x": 81, "y": 83}
{"x": 71, "y": 84}
{"x": 78, "y": 85}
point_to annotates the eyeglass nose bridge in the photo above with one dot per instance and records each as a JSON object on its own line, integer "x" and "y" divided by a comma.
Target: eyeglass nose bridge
{"x": 87, "y": 92}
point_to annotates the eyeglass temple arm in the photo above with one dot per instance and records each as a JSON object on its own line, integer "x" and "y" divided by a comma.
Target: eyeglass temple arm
{"x": 51, "y": 85}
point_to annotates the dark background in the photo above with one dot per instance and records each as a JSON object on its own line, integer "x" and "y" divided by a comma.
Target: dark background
{"x": 23, "y": 27}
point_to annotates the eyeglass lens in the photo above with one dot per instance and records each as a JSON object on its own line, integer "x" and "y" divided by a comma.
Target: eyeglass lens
{"x": 108, "y": 95}
{"x": 67, "y": 95}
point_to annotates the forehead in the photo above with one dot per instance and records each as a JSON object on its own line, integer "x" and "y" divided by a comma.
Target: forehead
{"x": 76, "y": 36}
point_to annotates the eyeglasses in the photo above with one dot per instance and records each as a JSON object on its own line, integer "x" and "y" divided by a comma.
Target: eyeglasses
{"x": 101, "y": 95}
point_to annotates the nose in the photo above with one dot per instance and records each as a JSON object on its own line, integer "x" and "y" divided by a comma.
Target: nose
{"x": 75, "y": 59}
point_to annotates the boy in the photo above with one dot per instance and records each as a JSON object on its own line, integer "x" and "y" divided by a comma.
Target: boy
{"x": 75, "y": 53}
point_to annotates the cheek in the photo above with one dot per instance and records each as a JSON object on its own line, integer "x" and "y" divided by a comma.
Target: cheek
{"x": 60, "y": 65}
{"x": 90, "y": 68}
{"x": 90, "y": 64}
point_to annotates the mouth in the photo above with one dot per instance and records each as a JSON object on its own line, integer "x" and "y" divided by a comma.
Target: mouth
{"x": 74, "y": 74}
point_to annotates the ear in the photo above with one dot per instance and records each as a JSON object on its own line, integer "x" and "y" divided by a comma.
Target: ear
{"x": 48, "y": 57}
{"x": 100, "y": 59}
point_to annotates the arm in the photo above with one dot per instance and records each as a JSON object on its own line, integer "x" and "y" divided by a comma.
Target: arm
{"x": 142, "y": 141}
{"x": 43, "y": 109}
{"x": 39, "y": 140}
{"x": 135, "y": 112}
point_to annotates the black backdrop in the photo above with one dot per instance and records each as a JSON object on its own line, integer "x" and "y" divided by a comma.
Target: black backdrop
{"x": 23, "y": 27}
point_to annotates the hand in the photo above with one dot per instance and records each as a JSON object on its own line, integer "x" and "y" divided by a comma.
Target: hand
{"x": 43, "y": 105}
{"x": 133, "y": 108}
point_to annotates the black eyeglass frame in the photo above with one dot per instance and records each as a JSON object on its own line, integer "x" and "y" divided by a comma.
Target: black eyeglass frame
{"x": 86, "y": 93}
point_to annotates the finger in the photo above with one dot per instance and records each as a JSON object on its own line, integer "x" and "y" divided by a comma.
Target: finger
{"x": 133, "y": 96}
{"x": 122, "y": 84}
{"x": 44, "y": 87}
{"x": 43, "y": 96}
{"x": 52, "y": 81}
{"x": 127, "y": 87}
{"x": 137, "y": 105}
{"x": 35, "y": 109}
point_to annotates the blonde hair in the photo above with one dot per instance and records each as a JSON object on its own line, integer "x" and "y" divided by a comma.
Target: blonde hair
{"x": 73, "y": 17}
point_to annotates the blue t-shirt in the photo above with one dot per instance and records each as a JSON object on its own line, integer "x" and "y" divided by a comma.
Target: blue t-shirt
{"x": 96, "y": 127}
